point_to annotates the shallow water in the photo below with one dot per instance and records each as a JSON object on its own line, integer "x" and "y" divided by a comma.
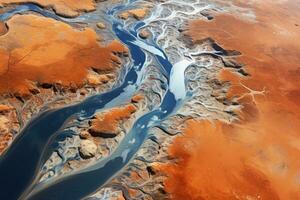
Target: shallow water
{"x": 34, "y": 145}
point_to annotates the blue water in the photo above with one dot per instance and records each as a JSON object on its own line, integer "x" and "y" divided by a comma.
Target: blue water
{"x": 28, "y": 7}
{"x": 34, "y": 145}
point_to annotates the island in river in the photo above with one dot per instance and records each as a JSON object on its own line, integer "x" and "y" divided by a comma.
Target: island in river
{"x": 150, "y": 99}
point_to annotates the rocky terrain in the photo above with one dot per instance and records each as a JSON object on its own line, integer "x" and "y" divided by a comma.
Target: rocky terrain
{"x": 66, "y": 8}
{"x": 44, "y": 67}
{"x": 235, "y": 132}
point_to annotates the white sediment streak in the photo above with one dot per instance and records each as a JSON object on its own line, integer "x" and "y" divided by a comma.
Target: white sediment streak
{"x": 125, "y": 154}
{"x": 149, "y": 48}
{"x": 177, "y": 79}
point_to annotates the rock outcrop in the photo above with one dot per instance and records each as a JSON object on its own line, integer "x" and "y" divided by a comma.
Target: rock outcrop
{"x": 101, "y": 25}
{"x": 138, "y": 13}
{"x": 144, "y": 34}
{"x": 87, "y": 149}
{"x": 107, "y": 124}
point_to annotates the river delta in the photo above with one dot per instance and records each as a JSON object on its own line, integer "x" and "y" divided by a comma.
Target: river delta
{"x": 143, "y": 99}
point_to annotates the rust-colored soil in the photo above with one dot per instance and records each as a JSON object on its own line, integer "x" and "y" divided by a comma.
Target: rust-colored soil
{"x": 216, "y": 165}
{"x": 107, "y": 124}
{"x": 38, "y": 51}
{"x": 69, "y": 8}
{"x": 138, "y": 13}
{"x": 257, "y": 157}
{"x": 137, "y": 98}
{"x": 3, "y": 28}
{"x": 4, "y": 141}
{"x": 5, "y": 108}
{"x": 5, "y": 136}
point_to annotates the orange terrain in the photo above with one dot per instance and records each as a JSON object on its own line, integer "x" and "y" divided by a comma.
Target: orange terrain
{"x": 3, "y": 28}
{"x": 68, "y": 8}
{"x": 38, "y": 51}
{"x": 107, "y": 124}
{"x": 138, "y": 13}
{"x": 256, "y": 157}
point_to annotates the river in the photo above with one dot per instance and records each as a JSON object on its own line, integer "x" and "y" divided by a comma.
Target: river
{"x": 21, "y": 163}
